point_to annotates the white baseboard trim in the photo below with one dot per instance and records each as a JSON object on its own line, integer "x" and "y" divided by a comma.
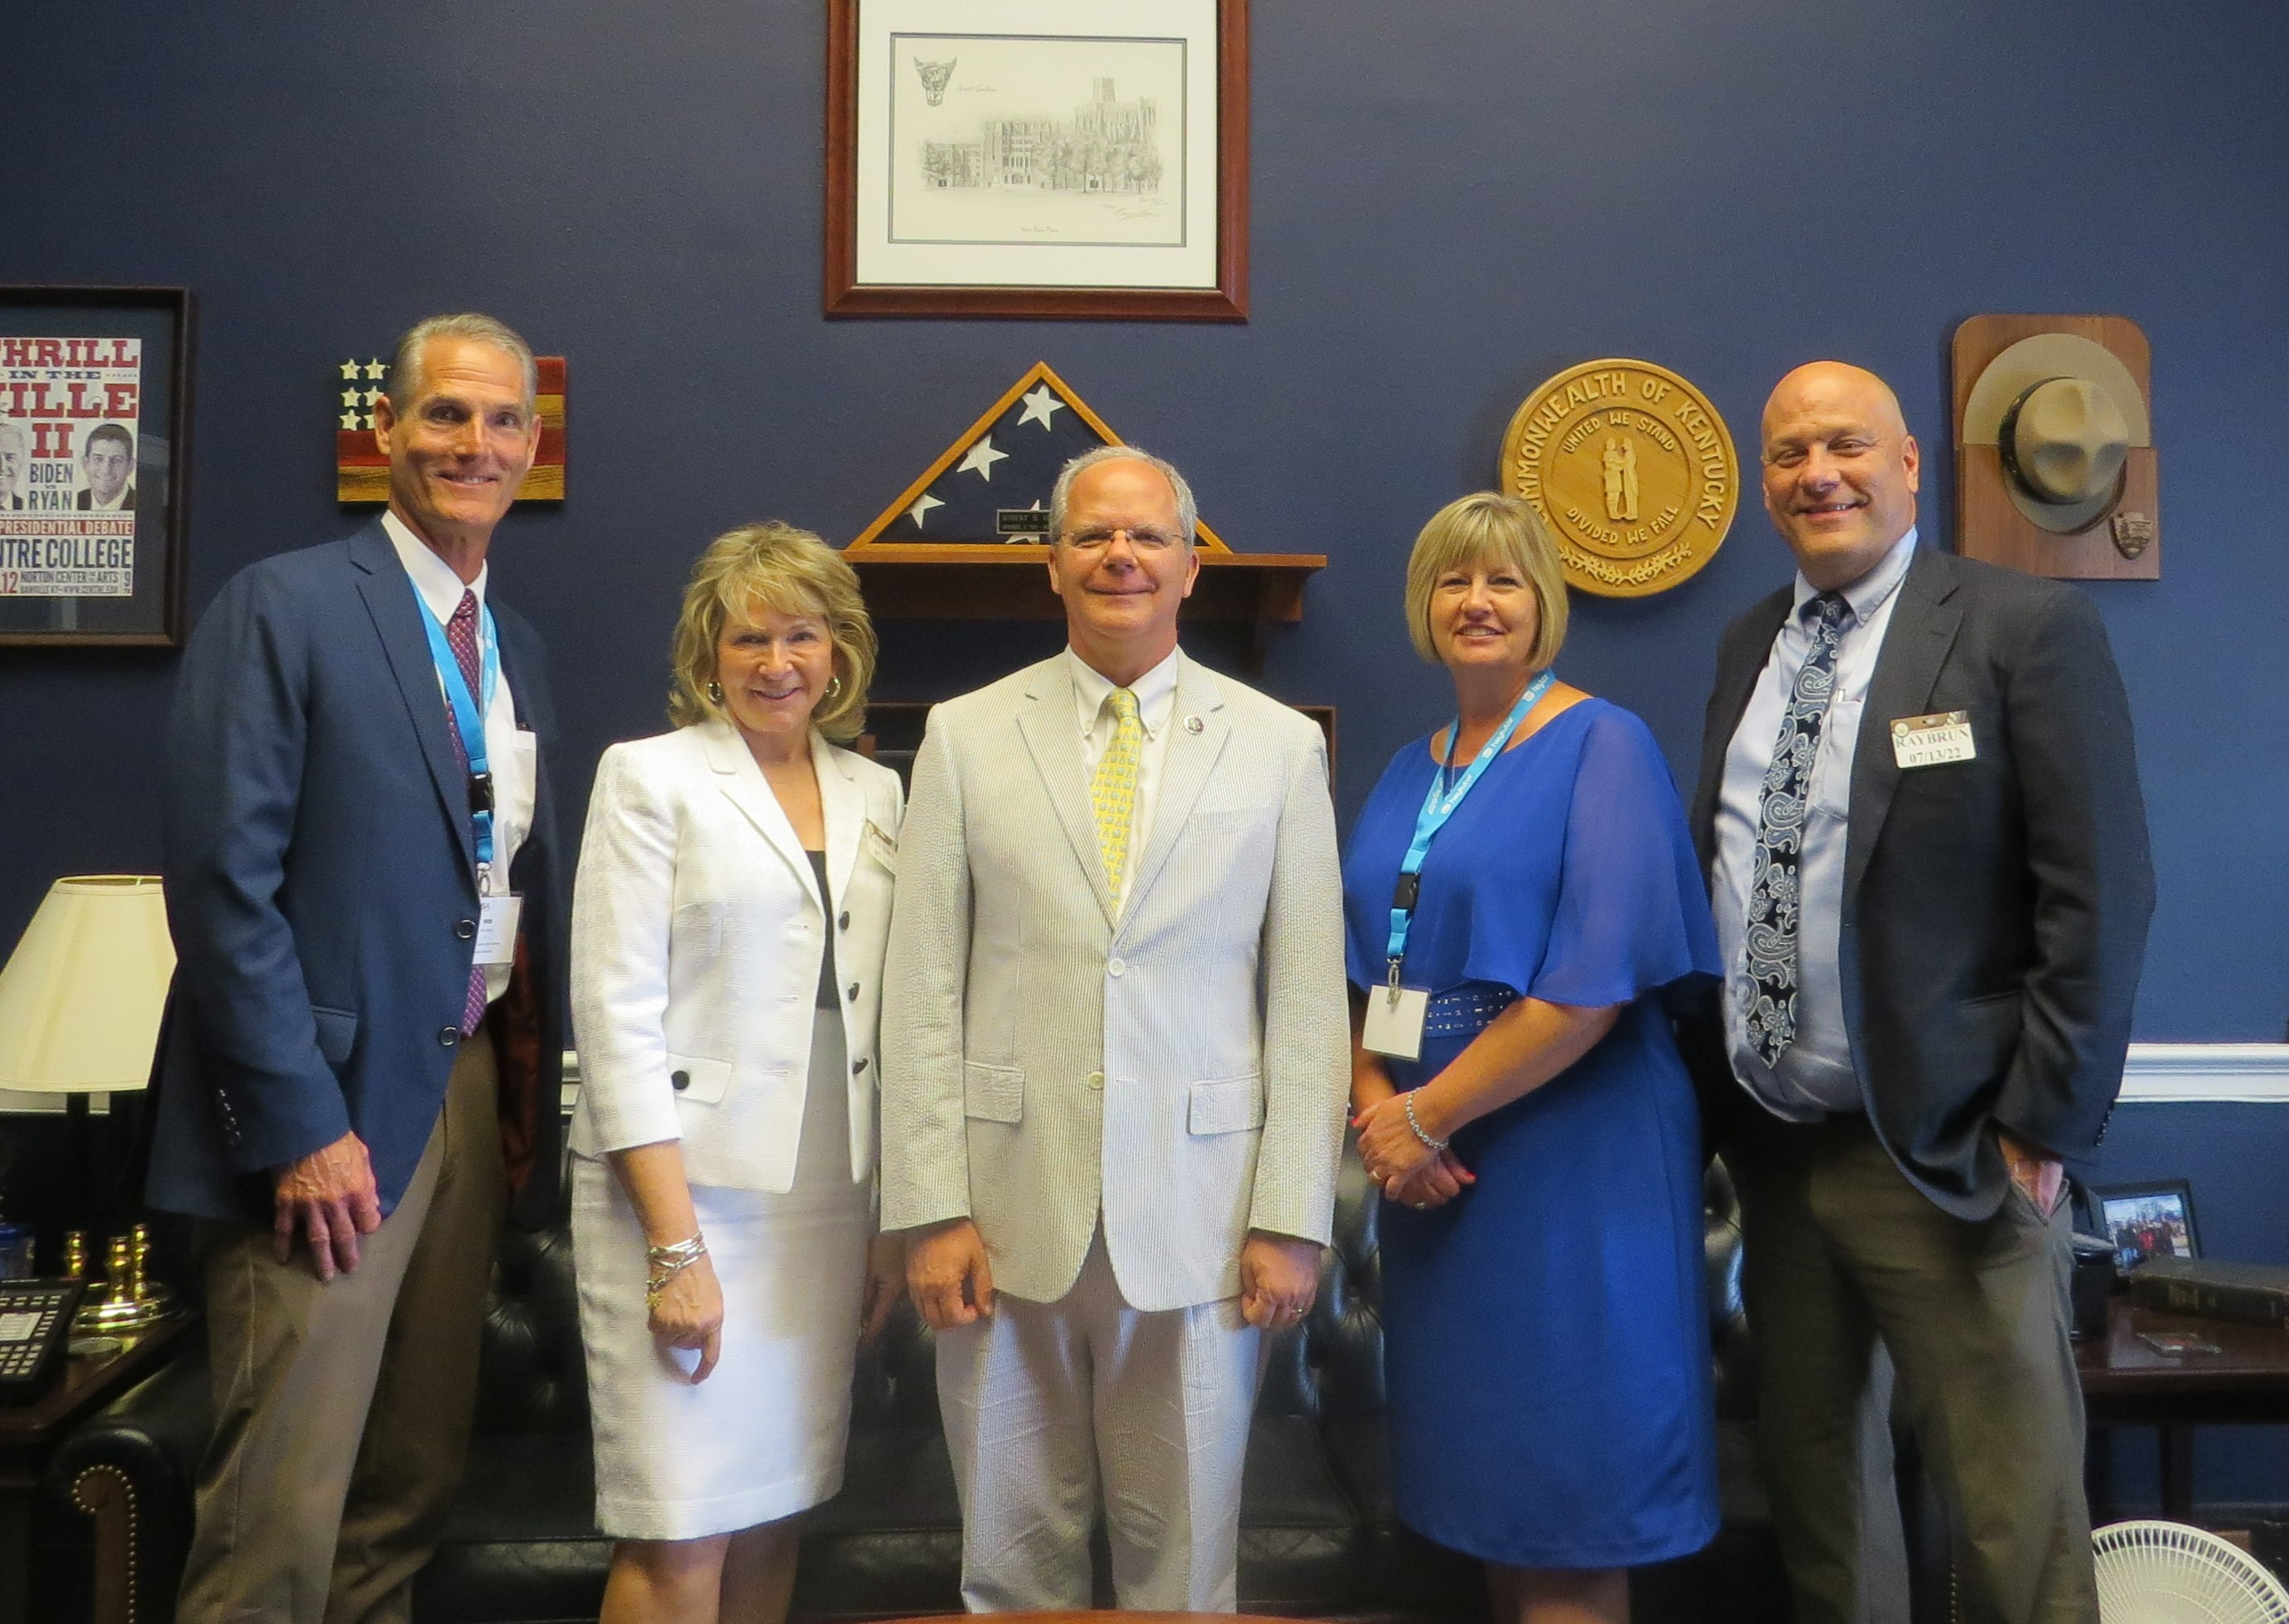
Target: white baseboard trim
{"x": 2207, "y": 1073}
{"x": 2157, "y": 1074}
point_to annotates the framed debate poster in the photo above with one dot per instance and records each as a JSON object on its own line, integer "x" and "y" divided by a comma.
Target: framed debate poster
{"x": 1053, "y": 158}
{"x": 95, "y": 438}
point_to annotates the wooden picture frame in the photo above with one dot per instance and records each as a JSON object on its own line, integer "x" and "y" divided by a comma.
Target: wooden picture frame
{"x": 95, "y": 392}
{"x": 1123, "y": 216}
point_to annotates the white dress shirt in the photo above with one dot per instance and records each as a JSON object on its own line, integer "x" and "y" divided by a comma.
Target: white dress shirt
{"x": 511, "y": 752}
{"x": 1156, "y": 702}
{"x": 1814, "y": 1075}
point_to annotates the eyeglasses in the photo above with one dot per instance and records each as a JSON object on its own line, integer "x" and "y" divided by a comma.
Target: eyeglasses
{"x": 1095, "y": 540}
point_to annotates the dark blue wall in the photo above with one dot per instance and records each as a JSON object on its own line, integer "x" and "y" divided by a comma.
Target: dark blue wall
{"x": 1453, "y": 199}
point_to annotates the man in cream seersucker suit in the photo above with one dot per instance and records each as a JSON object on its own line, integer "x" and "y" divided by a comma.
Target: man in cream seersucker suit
{"x": 1115, "y": 1051}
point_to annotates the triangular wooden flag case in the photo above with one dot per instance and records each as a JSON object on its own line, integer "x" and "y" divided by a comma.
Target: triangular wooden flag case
{"x": 968, "y": 540}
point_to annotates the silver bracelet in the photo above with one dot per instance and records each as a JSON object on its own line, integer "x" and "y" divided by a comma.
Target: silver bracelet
{"x": 666, "y": 1262}
{"x": 681, "y": 1254}
{"x": 1406, "y": 1104}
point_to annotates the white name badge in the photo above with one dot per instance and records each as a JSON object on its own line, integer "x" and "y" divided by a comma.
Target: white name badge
{"x": 496, "y": 931}
{"x": 880, "y": 847}
{"x": 1394, "y": 1021}
{"x": 1929, "y": 741}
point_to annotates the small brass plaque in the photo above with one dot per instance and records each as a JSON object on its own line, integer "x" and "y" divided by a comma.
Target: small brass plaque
{"x": 1633, "y": 469}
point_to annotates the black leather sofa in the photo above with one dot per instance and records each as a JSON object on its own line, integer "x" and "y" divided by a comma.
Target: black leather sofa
{"x": 1317, "y": 1537}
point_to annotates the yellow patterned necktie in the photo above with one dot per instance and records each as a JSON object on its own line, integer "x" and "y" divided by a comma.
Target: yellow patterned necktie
{"x": 1112, "y": 795}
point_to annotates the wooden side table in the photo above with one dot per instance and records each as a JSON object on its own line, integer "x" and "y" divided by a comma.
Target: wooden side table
{"x": 30, "y": 1432}
{"x": 2127, "y": 1382}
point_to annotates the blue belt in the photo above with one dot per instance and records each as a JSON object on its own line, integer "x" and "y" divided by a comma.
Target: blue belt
{"x": 1467, "y": 1010}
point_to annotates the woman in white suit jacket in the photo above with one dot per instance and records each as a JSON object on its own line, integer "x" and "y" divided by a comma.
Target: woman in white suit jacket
{"x": 728, "y": 928}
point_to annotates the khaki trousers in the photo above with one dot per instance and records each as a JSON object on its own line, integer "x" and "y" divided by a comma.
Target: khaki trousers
{"x": 1050, "y": 1405}
{"x": 1841, "y": 1252}
{"x": 342, "y": 1408}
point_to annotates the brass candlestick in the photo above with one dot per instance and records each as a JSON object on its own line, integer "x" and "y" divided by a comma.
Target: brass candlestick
{"x": 131, "y": 1302}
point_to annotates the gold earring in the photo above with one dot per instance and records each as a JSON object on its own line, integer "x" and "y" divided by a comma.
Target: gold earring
{"x": 715, "y": 693}
{"x": 834, "y": 687}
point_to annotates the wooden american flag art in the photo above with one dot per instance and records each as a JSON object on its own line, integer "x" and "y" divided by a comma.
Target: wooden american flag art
{"x": 361, "y": 472}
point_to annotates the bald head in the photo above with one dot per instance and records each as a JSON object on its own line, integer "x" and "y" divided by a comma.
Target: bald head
{"x": 1837, "y": 383}
{"x": 1841, "y": 470}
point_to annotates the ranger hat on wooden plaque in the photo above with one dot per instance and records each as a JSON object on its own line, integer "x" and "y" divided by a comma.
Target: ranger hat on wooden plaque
{"x": 2055, "y": 445}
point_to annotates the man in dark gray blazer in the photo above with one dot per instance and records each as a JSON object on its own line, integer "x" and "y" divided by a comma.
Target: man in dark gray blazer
{"x": 359, "y": 1074}
{"x": 1919, "y": 810}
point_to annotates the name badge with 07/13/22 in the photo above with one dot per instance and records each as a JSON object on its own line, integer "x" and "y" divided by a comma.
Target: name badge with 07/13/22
{"x": 1931, "y": 741}
{"x": 496, "y": 931}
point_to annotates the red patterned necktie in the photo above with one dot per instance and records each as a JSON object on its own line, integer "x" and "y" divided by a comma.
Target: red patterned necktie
{"x": 461, "y": 632}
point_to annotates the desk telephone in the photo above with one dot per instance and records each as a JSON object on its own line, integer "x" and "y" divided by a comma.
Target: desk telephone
{"x": 36, "y": 1326}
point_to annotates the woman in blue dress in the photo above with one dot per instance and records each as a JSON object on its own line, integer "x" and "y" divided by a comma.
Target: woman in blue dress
{"x": 1546, "y": 1335}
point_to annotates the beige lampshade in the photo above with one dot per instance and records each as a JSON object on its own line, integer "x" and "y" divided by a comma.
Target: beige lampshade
{"x": 81, "y": 996}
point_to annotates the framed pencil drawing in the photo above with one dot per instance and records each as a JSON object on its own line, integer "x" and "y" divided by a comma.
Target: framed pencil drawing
{"x": 94, "y": 445}
{"x": 1061, "y": 158}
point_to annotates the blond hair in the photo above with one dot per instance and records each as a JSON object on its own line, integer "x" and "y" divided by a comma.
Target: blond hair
{"x": 778, "y": 567}
{"x": 1489, "y": 528}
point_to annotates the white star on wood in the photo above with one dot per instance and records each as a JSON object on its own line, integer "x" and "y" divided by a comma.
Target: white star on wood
{"x": 374, "y": 369}
{"x": 1039, "y": 406}
{"x": 349, "y": 397}
{"x": 922, "y": 505}
{"x": 349, "y": 419}
{"x": 981, "y": 459}
{"x": 349, "y": 368}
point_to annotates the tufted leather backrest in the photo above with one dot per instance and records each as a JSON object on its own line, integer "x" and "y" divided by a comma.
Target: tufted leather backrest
{"x": 1329, "y": 1367}
{"x": 533, "y": 1377}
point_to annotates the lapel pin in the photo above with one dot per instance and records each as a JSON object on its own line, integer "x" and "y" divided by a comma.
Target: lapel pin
{"x": 1194, "y": 724}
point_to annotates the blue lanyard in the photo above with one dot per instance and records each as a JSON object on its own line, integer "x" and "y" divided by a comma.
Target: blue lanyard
{"x": 467, "y": 715}
{"x": 1439, "y": 805}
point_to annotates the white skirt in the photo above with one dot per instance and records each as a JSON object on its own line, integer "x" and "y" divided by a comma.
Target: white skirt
{"x": 762, "y": 1437}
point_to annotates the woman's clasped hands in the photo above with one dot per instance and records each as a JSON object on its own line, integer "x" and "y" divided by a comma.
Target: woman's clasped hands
{"x": 1396, "y": 1158}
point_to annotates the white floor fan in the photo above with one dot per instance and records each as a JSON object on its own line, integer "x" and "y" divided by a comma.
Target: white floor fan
{"x": 2153, "y": 1572}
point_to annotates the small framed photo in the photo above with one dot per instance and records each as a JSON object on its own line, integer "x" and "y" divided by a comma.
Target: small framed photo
{"x": 2145, "y": 1221}
{"x": 94, "y": 445}
{"x": 1060, "y": 158}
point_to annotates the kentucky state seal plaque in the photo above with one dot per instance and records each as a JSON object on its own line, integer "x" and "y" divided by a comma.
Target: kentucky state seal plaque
{"x": 1633, "y": 470}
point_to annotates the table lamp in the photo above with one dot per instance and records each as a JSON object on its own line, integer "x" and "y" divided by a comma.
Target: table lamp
{"x": 82, "y": 995}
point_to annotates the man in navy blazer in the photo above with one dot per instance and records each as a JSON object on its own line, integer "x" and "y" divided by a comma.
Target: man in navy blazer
{"x": 360, "y": 1069}
{"x": 1919, "y": 808}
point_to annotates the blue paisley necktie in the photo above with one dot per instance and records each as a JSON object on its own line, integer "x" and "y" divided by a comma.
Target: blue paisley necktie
{"x": 1774, "y": 899}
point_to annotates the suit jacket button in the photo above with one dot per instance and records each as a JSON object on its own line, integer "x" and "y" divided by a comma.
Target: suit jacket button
{"x": 854, "y": 989}
{"x": 861, "y": 1066}
{"x": 1117, "y": 967}
{"x": 1096, "y": 1080}
{"x": 679, "y": 1080}
{"x": 466, "y": 930}
{"x": 448, "y": 1036}
{"x": 842, "y": 920}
